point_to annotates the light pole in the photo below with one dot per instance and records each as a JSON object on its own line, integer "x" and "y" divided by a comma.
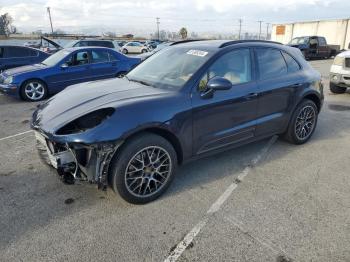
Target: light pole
{"x": 158, "y": 27}
{"x": 260, "y": 29}
{"x": 48, "y": 11}
{"x": 240, "y": 29}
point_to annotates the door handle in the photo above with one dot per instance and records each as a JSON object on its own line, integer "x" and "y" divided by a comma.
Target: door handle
{"x": 114, "y": 64}
{"x": 251, "y": 96}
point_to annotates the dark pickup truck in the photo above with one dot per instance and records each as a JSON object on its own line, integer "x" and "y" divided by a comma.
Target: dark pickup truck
{"x": 314, "y": 47}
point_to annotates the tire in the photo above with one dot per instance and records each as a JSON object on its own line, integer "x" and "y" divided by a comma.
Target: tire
{"x": 125, "y": 51}
{"x": 134, "y": 176}
{"x": 301, "y": 121}
{"x": 337, "y": 89}
{"x": 143, "y": 51}
{"x": 34, "y": 90}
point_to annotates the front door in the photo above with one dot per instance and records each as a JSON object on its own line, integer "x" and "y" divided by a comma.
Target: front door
{"x": 228, "y": 117}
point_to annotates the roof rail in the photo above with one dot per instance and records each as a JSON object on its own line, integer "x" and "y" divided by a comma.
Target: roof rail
{"x": 186, "y": 41}
{"x": 247, "y": 41}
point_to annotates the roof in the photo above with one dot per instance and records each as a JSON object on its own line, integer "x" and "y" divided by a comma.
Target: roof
{"x": 71, "y": 49}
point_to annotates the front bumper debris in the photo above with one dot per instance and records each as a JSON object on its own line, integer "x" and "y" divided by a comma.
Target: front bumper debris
{"x": 77, "y": 161}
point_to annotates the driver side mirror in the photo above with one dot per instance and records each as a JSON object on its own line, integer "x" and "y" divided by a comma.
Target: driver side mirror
{"x": 215, "y": 84}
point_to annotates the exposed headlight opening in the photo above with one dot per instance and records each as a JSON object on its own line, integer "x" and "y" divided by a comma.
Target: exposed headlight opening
{"x": 86, "y": 122}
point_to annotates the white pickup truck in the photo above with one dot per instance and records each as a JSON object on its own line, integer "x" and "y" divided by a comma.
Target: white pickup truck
{"x": 339, "y": 76}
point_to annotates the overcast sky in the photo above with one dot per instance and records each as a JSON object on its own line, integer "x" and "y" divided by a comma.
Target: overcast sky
{"x": 197, "y": 15}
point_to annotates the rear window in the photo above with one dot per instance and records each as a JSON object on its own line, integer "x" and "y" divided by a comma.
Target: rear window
{"x": 292, "y": 65}
{"x": 271, "y": 63}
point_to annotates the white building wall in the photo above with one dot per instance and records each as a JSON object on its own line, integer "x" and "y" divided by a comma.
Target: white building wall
{"x": 336, "y": 32}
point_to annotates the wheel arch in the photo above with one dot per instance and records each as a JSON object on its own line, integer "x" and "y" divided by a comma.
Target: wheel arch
{"x": 314, "y": 98}
{"x": 166, "y": 134}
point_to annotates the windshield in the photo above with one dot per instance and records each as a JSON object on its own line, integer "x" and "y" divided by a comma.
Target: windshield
{"x": 299, "y": 41}
{"x": 55, "y": 58}
{"x": 169, "y": 68}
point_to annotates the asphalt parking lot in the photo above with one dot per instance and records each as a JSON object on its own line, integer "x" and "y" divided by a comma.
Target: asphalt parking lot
{"x": 268, "y": 201}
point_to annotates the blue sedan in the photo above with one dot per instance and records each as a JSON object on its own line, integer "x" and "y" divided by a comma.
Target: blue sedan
{"x": 64, "y": 68}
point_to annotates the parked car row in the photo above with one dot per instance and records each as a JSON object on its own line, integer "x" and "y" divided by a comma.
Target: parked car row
{"x": 64, "y": 68}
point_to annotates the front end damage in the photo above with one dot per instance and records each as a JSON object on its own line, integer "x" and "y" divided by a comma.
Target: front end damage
{"x": 77, "y": 161}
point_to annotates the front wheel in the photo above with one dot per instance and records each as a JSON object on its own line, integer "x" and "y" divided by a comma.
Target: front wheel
{"x": 144, "y": 51}
{"x": 336, "y": 89}
{"x": 34, "y": 90}
{"x": 124, "y": 51}
{"x": 143, "y": 169}
{"x": 303, "y": 123}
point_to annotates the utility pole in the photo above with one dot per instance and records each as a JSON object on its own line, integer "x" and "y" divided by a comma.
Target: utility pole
{"x": 260, "y": 29}
{"x": 48, "y": 11}
{"x": 158, "y": 26}
{"x": 240, "y": 28}
{"x": 267, "y": 30}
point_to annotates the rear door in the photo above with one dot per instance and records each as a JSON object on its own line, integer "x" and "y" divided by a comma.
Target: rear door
{"x": 278, "y": 84}
{"x": 323, "y": 49}
{"x": 229, "y": 117}
{"x": 101, "y": 65}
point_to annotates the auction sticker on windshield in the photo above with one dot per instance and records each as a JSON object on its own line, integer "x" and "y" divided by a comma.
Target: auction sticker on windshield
{"x": 197, "y": 53}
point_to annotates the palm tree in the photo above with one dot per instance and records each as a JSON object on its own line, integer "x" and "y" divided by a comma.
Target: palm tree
{"x": 183, "y": 33}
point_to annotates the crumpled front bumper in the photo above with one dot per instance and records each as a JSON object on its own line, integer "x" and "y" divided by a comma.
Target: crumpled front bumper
{"x": 77, "y": 161}
{"x": 9, "y": 89}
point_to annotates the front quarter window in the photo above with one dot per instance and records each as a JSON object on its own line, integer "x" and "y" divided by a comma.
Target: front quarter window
{"x": 170, "y": 68}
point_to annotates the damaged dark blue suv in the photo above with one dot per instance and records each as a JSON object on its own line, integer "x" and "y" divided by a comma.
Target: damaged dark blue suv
{"x": 186, "y": 101}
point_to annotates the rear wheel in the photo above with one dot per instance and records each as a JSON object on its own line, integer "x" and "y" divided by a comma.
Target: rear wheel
{"x": 303, "y": 123}
{"x": 144, "y": 168}
{"x": 34, "y": 90}
{"x": 336, "y": 89}
{"x": 120, "y": 74}
{"x": 124, "y": 51}
{"x": 144, "y": 51}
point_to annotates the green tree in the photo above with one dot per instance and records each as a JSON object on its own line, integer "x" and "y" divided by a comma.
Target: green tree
{"x": 183, "y": 33}
{"x": 6, "y": 27}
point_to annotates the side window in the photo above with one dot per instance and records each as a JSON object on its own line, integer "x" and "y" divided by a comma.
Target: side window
{"x": 112, "y": 57}
{"x": 81, "y": 43}
{"x": 292, "y": 65}
{"x": 79, "y": 58}
{"x": 313, "y": 42}
{"x": 235, "y": 66}
{"x": 270, "y": 62}
{"x": 1, "y": 52}
{"x": 17, "y": 52}
{"x": 99, "y": 56}
{"x": 322, "y": 41}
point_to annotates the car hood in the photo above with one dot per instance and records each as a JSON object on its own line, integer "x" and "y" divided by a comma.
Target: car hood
{"x": 24, "y": 69}
{"x": 79, "y": 100}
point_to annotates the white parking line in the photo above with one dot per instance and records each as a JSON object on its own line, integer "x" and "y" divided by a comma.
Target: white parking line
{"x": 19, "y": 134}
{"x": 188, "y": 239}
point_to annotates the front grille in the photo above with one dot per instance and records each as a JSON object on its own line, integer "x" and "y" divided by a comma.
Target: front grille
{"x": 347, "y": 62}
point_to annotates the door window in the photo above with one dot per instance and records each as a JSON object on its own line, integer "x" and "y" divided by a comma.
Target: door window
{"x": 99, "y": 56}
{"x": 235, "y": 66}
{"x": 271, "y": 63}
{"x": 1, "y": 52}
{"x": 313, "y": 43}
{"x": 292, "y": 65}
{"x": 79, "y": 58}
{"x": 322, "y": 41}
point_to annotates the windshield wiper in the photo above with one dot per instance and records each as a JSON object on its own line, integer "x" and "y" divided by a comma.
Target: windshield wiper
{"x": 139, "y": 81}
{"x": 42, "y": 63}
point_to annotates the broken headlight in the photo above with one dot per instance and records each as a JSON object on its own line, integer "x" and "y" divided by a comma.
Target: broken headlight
{"x": 86, "y": 122}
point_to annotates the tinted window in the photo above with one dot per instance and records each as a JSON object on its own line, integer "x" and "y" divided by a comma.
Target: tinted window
{"x": 99, "y": 56}
{"x": 81, "y": 43}
{"x": 33, "y": 53}
{"x": 271, "y": 63}
{"x": 1, "y": 52}
{"x": 17, "y": 52}
{"x": 292, "y": 65}
{"x": 235, "y": 66}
